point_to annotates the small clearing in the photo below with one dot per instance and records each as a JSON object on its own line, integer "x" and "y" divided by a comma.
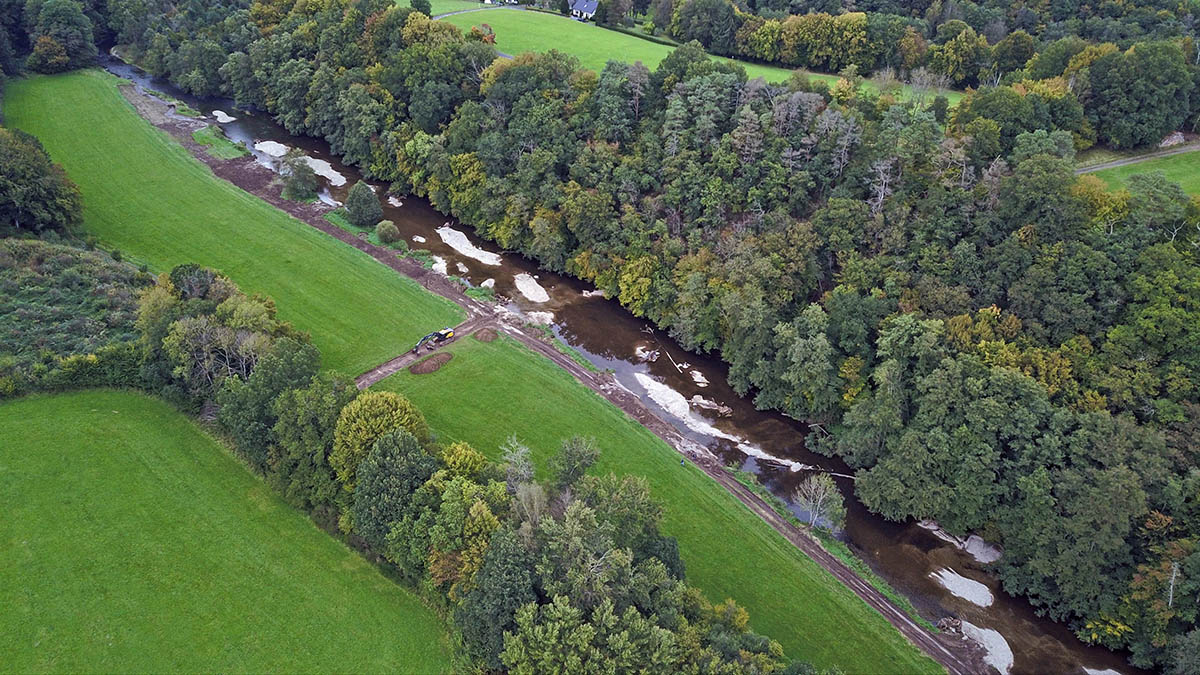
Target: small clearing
{"x": 458, "y": 241}
{"x": 999, "y": 655}
{"x": 530, "y": 288}
{"x": 960, "y": 586}
{"x": 431, "y": 364}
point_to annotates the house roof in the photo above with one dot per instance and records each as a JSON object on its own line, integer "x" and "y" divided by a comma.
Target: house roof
{"x": 584, "y": 6}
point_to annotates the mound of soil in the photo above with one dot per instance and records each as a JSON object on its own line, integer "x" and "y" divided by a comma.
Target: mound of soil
{"x": 430, "y": 364}
{"x": 486, "y": 334}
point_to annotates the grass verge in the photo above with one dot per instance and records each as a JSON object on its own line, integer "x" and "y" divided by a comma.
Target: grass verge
{"x": 217, "y": 144}
{"x": 133, "y": 542}
{"x": 565, "y": 348}
{"x": 146, "y": 195}
{"x": 490, "y": 390}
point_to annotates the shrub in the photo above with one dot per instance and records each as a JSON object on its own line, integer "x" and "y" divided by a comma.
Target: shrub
{"x": 364, "y": 420}
{"x": 387, "y": 232}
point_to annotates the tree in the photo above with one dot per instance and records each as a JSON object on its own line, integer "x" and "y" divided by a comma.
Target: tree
{"x": 518, "y": 467}
{"x": 68, "y": 30}
{"x": 575, "y": 456}
{"x": 559, "y": 638}
{"x": 363, "y": 421}
{"x": 820, "y": 496}
{"x": 35, "y": 193}
{"x": 625, "y": 504}
{"x": 503, "y": 584}
{"x": 1140, "y": 95}
{"x": 1185, "y": 654}
{"x": 247, "y": 406}
{"x": 563, "y": 7}
{"x": 387, "y": 478}
{"x": 299, "y": 180}
{"x": 48, "y": 56}
{"x": 1013, "y": 51}
{"x": 422, "y": 6}
{"x": 362, "y": 207}
{"x": 306, "y": 419}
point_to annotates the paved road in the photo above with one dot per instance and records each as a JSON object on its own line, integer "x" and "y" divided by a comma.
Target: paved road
{"x": 1177, "y": 150}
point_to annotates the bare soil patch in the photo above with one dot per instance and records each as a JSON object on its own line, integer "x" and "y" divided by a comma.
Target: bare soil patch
{"x": 430, "y": 364}
{"x": 486, "y": 334}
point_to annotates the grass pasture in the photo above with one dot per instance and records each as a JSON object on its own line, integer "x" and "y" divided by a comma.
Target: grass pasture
{"x": 491, "y": 390}
{"x": 1183, "y": 169}
{"x": 133, "y": 542}
{"x": 526, "y": 31}
{"x": 443, "y": 6}
{"x": 144, "y": 194}
{"x": 520, "y": 31}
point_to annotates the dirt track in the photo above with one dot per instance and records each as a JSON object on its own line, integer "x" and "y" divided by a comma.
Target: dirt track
{"x": 958, "y": 656}
{"x": 1177, "y": 150}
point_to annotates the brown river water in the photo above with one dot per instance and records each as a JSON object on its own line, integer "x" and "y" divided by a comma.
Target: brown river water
{"x": 690, "y": 391}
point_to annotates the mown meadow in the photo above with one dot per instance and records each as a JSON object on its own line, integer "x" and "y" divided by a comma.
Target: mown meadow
{"x": 489, "y": 391}
{"x": 145, "y": 195}
{"x": 133, "y": 542}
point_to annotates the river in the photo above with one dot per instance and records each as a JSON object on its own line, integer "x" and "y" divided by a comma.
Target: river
{"x": 690, "y": 391}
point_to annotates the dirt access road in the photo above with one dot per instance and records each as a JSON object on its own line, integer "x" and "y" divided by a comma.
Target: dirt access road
{"x": 957, "y": 655}
{"x": 1177, "y": 150}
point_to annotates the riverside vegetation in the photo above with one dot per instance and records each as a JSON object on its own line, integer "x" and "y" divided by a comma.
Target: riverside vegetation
{"x": 985, "y": 338}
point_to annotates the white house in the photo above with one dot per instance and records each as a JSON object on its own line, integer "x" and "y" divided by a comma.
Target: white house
{"x": 584, "y": 9}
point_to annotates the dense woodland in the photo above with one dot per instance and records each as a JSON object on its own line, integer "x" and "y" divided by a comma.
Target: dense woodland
{"x": 989, "y": 340}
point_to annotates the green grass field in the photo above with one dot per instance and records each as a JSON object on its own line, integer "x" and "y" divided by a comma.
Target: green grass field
{"x": 144, "y": 194}
{"x": 520, "y": 31}
{"x": 1183, "y": 169}
{"x": 491, "y": 390}
{"x": 444, "y": 6}
{"x": 133, "y": 542}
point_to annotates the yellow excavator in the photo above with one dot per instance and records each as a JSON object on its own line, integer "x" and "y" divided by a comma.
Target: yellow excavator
{"x": 434, "y": 339}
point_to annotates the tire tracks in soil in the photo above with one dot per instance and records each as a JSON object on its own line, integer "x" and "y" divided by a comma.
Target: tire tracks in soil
{"x": 954, "y": 653}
